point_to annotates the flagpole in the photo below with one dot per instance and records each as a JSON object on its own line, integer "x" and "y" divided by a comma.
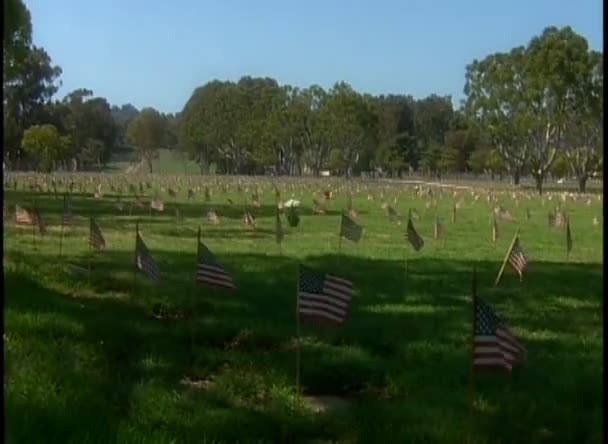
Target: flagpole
{"x": 135, "y": 256}
{"x": 339, "y": 241}
{"x": 504, "y": 263}
{"x": 298, "y": 352}
{"x": 90, "y": 223}
{"x": 34, "y": 223}
{"x": 471, "y": 371}
{"x": 62, "y": 223}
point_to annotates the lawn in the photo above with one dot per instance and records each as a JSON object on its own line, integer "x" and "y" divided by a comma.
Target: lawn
{"x": 105, "y": 357}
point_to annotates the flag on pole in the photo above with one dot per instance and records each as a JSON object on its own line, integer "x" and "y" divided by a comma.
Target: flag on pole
{"x": 393, "y": 216}
{"x": 349, "y": 229}
{"x": 209, "y": 271}
{"x": 96, "y": 239}
{"x": 248, "y": 219}
{"x": 413, "y": 237}
{"x": 279, "y": 229}
{"x": 144, "y": 260}
{"x": 67, "y": 217}
{"x": 23, "y": 216}
{"x": 494, "y": 346}
{"x": 323, "y": 296}
{"x": 157, "y": 204}
{"x": 212, "y": 217}
{"x": 568, "y": 236}
{"x": 292, "y": 217}
{"x": 39, "y": 222}
{"x": 438, "y": 230}
{"x": 517, "y": 258}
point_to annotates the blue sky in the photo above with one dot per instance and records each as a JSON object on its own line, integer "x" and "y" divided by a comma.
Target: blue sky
{"x": 154, "y": 53}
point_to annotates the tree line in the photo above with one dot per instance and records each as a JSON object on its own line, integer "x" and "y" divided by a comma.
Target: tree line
{"x": 535, "y": 110}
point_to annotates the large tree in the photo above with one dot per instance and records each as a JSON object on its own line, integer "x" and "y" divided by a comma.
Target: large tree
{"x": 584, "y": 130}
{"x": 44, "y": 144}
{"x": 27, "y": 91}
{"x": 147, "y": 133}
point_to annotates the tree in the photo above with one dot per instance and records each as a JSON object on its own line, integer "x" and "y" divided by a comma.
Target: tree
{"x": 147, "y": 132}
{"x": 27, "y": 91}
{"x": 494, "y": 92}
{"x": 352, "y": 125}
{"x": 315, "y": 121}
{"x": 554, "y": 65}
{"x": 17, "y": 36}
{"x": 44, "y": 143}
{"x": 584, "y": 130}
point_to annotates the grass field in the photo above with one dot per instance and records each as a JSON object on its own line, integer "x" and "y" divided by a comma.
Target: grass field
{"x": 92, "y": 361}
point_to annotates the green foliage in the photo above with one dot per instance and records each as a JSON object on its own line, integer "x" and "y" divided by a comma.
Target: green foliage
{"x": 45, "y": 144}
{"x": 148, "y": 132}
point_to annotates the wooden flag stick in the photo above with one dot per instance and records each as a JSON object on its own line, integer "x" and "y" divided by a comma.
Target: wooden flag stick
{"x": 471, "y": 370}
{"x": 34, "y": 223}
{"x": 504, "y": 263}
{"x": 298, "y": 352}
{"x": 135, "y": 256}
{"x": 62, "y": 222}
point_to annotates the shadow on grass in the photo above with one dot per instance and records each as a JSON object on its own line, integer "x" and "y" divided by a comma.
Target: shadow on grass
{"x": 403, "y": 354}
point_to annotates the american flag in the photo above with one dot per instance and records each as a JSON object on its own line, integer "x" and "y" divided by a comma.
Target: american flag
{"x": 144, "y": 260}
{"x": 212, "y": 217}
{"x": 248, "y": 219}
{"x": 209, "y": 271}
{"x": 23, "y": 216}
{"x": 517, "y": 258}
{"x": 323, "y": 296}
{"x": 96, "y": 239}
{"x": 494, "y": 346}
{"x": 349, "y": 229}
{"x": 413, "y": 237}
{"x": 67, "y": 212}
{"x": 39, "y": 221}
{"x": 157, "y": 204}
{"x": 393, "y": 216}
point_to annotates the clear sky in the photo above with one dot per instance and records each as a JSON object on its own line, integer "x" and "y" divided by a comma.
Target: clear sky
{"x": 154, "y": 53}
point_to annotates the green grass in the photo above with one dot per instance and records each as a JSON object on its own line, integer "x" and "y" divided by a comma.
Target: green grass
{"x": 86, "y": 361}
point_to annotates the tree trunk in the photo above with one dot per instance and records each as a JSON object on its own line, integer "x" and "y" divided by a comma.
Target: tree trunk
{"x": 539, "y": 178}
{"x": 582, "y": 184}
{"x": 516, "y": 176}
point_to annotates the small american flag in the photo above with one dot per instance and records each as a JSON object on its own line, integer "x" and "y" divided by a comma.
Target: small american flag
{"x": 393, "y": 216}
{"x": 413, "y": 237}
{"x": 67, "y": 212}
{"x": 517, "y": 258}
{"x": 248, "y": 219}
{"x": 157, "y": 204}
{"x": 212, "y": 217}
{"x": 96, "y": 239}
{"x": 323, "y": 296}
{"x": 23, "y": 216}
{"x": 494, "y": 346}
{"x": 349, "y": 229}
{"x": 144, "y": 260}
{"x": 39, "y": 222}
{"x": 209, "y": 271}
